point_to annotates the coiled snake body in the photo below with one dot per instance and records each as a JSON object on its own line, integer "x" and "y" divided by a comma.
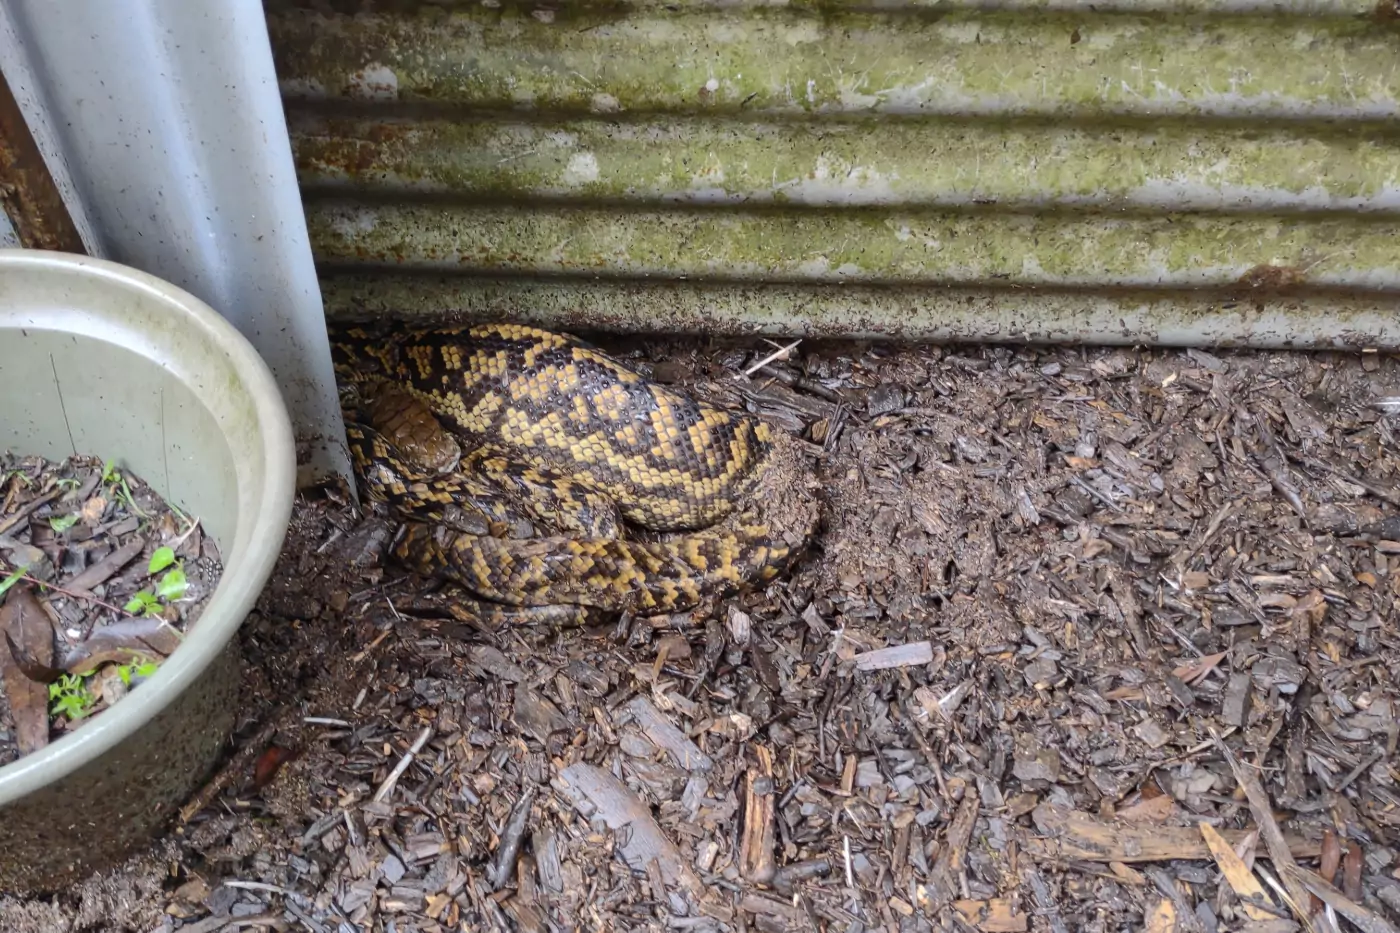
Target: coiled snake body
{"x": 563, "y": 445}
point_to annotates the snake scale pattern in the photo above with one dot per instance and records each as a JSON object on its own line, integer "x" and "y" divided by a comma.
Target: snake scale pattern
{"x": 516, "y": 458}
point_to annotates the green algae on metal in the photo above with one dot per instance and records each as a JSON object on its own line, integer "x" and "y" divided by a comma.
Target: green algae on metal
{"x": 803, "y": 60}
{"x": 916, "y": 162}
{"x": 843, "y": 245}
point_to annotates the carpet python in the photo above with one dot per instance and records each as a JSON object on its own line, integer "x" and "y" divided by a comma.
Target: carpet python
{"x": 514, "y": 456}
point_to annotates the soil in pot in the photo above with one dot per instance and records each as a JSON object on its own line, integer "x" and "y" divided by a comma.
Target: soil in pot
{"x": 100, "y": 579}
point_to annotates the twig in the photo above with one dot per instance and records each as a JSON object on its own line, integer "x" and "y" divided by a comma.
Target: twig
{"x": 1365, "y": 920}
{"x": 28, "y": 508}
{"x": 1275, "y": 464}
{"x": 184, "y": 536}
{"x": 780, "y": 353}
{"x": 1355, "y": 773}
{"x": 388, "y": 786}
{"x": 237, "y": 764}
{"x": 1380, "y": 492}
{"x": 364, "y": 652}
{"x": 73, "y": 594}
{"x": 1296, "y": 893}
{"x": 1094, "y": 492}
{"x": 1216, "y": 521}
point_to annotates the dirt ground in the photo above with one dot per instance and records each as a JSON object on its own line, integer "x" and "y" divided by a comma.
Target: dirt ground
{"x": 1084, "y": 635}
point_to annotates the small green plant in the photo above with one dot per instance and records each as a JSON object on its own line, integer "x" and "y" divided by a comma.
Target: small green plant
{"x": 143, "y": 670}
{"x": 69, "y": 696}
{"x": 171, "y": 585}
{"x": 16, "y": 474}
{"x": 15, "y": 576}
{"x": 111, "y": 476}
{"x": 61, "y": 523}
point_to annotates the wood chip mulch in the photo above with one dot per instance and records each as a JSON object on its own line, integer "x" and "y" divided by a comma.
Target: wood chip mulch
{"x": 1091, "y": 641}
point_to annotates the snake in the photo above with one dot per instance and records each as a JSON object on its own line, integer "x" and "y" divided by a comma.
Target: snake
{"x": 552, "y": 481}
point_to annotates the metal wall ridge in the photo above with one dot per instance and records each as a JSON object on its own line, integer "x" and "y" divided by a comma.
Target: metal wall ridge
{"x": 800, "y": 60}
{"x": 555, "y": 12}
{"x": 839, "y": 245}
{"x": 1172, "y": 318}
{"x": 1181, "y": 166}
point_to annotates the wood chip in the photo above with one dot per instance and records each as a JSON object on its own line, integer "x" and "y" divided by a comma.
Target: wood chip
{"x": 917, "y": 652}
{"x": 596, "y": 793}
{"x": 1067, "y": 834}
{"x": 1278, "y": 847}
{"x": 666, "y": 736}
{"x": 103, "y": 570}
{"x": 1161, "y": 917}
{"x": 992, "y": 916}
{"x": 1246, "y": 887}
{"x": 757, "y": 860}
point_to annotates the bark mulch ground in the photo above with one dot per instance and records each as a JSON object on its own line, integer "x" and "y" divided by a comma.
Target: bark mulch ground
{"x": 1091, "y": 640}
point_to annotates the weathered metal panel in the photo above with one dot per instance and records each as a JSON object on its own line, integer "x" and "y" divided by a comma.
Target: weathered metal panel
{"x": 161, "y": 126}
{"x": 1141, "y": 171}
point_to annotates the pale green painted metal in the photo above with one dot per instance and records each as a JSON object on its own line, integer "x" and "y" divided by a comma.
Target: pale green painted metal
{"x": 1122, "y": 173}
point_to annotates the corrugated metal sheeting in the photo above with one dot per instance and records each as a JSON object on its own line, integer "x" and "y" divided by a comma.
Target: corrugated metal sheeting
{"x": 1189, "y": 171}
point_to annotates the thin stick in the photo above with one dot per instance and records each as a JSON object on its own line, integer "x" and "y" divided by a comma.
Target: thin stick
{"x": 388, "y": 786}
{"x": 780, "y": 353}
{"x": 73, "y": 594}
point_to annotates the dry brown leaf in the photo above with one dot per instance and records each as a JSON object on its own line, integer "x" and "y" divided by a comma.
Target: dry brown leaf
{"x": 1199, "y": 668}
{"x": 93, "y": 509}
{"x": 1241, "y": 879}
{"x": 1331, "y": 856}
{"x": 26, "y": 627}
{"x": 1195, "y": 580}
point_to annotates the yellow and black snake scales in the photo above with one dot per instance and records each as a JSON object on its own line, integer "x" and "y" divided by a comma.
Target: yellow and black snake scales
{"x": 562, "y": 442}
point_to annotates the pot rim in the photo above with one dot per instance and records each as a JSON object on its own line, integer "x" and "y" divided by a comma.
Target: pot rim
{"x": 235, "y": 595}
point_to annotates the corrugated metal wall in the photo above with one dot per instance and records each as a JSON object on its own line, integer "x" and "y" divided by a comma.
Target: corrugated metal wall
{"x": 1146, "y": 171}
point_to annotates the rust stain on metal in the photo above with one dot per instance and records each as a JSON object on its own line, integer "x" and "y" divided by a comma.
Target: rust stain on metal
{"x": 28, "y": 193}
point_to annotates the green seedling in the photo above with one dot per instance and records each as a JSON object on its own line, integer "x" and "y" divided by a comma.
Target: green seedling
{"x": 15, "y": 576}
{"x": 61, "y": 523}
{"x": 144, "y": 603}
{"x": 162, "y": 558}
{"x": 171, "y": 585}
{"x": 143, "y": 670}
{"x": 111, "y": 476}
{"x": 69, "y": 696}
